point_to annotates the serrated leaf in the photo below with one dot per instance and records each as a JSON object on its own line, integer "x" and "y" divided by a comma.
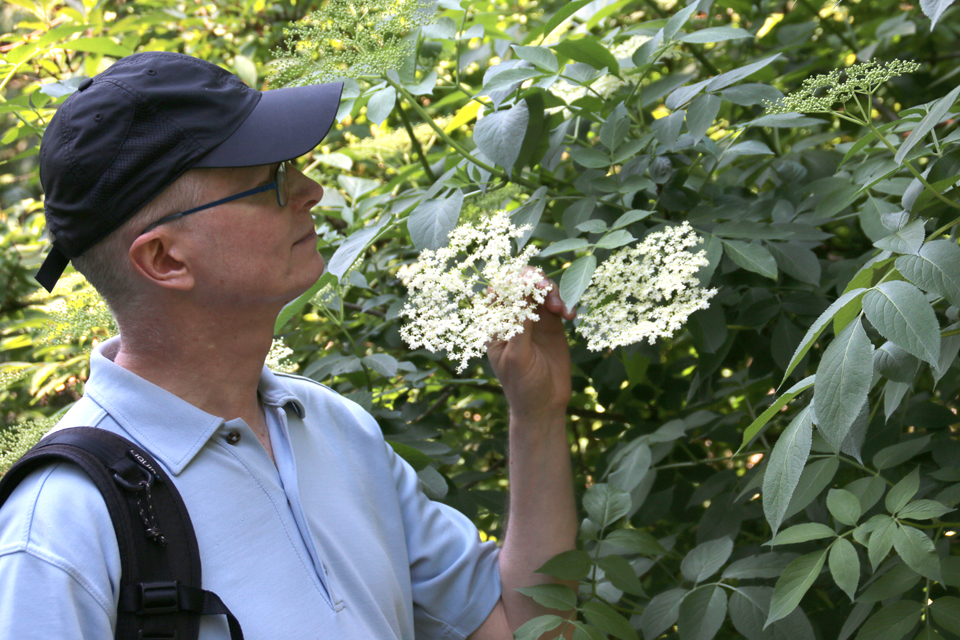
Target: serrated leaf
{"x": 749, "y": 94}
{"x": 843, "y": 381}
{"x": 715, "y": 34}
{"x": 615, "y": 239}
{"x": 908, "y": 239}
{"x": 764, "y": 565}
{"x": 552, "y": 596}
{"x": 901, "y": 493}
{"x": 569, "y": 565}
{"x": 752, "y": 257}
{"x": 381, "y": 105}
{"x": 893, "y": 393}
{"x": 706, "y": 559}
{"x": 857, "y": 435}
{"x": 726, "y": 79}
{"x": 606, "y": 618}
{"x": 785, "y": 466}
{"x": 901, "y": 313}
{"x": 667, "y": 129}
{"x": 605, "y": 504}
{"x": 845, "y": 566}
{"x": 528, "y": 215}
{"x": 936, "y": 269}
{"x": 634, "y": 215}
{"x": 348, "y": 252}
{"x": 946, "y": 613}
{"x": 103, "y": 45}
{"x": 814, "y": 479}
{"x": 796, "y": 580}
{"x": 844, "y": 506}
{"x": 590, "y": 51}
{"x": 533, "y": 629}
{"x": 892, "y": 622}
{"x": 751, "y": 431}
{"x": 590, "y": 157}
{"x": 293, "y": 308}
{"x": 917, "y": 551}
{"x": 933, "y": 9}
{"x": 677, "y": 21}
{"x": 881, "y": 541}
{"x": 895, "y": 364}
{"x": 541, "y": 57}
{"x": 803, "y": 532}
{"x": 924, "y": 510}
{"x": 570, "y": 244}
{"x": 630, "y": 469}
{"x": 932, "y": 119}
{"x": 702, "y": 613}
{"x": 382, "y": 363}
{"x": 819, "y": 325}
{"x": 661, "y": 613}
{"x": 796, "y": 261}
{"x": 899, "y": 453}
{"x": 411, "y": 455}
{"x": 615, "y": 128}
{"x": 635, "y": 541}
{"x": 576, "y": 279}
{"x": 431, "y": 222}
{"x": 499, "y": 135}
{"x": 621, "y": 574}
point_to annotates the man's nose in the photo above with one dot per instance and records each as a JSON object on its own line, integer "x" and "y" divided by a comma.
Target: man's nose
{"x": 305, "y": 193}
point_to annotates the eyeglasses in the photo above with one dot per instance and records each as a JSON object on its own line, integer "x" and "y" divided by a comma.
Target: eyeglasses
{"x": 279, "y": 183}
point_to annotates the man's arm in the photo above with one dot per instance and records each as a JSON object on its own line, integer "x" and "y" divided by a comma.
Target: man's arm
{"x": 534, "y": 369}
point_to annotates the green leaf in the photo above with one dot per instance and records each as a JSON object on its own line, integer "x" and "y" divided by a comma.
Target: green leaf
{"x": 432, "y": 221}
{"x": 946, "y": 613}
{"x": 791, "y": 393}
{"x": 381, "y": 104}
{"x": 750, "y": 94}
{"x": 895, "y": 364}
{"x": 499, "y": 135}
{"x": 896, "y": 454}
{"x": 635, "y": 541}
{"x": 891, "y": 622}
{"x": 667, "y": 129}
{"x": 796, "y": 580}
{"x": 881, "y": 541}
{"x": 814, "y": 479}
{"x": 661, "y": 613}
{"x": 857, "y": 435}
{"x": 702, "y": 613}
{"x": 843, "y": 381}
{"x": 785, "y": 466}
{"x": 541, "y": 57}
{"x": 507, "y": 78}
{"x": 867, "y": 138}
{"x": 902, "y": 492}
{"x": 605, "y": 504}
{"x": 803, "y": 532}
{"x": 924, "y": 510}
{"x": 752, "y": 257}
{"x": 414, "y": 457}
{"x": 917, "y": 551}
{"x": 615, "y": 239}
{"x": 845, "y": 566}
{"x": 677, "y": 21}
{"x": 570, "y": 244}
{"x": 796, "y": 261}
{"x": 348, "y": 252}
{"x": 605, "y": 618}
{"x": 905, "y": 240}
{"x": 533, "y": 629}
{"x": 715, "y": 34}
{"x": 932, "y": 119}
{"x": 629, "y": 469}
{"x": 901, "y": 313}
{"x": 634, "y": 215}
{"x": 576, "y": 278}
{"x": 844, "y": 506}
{"x": 102, "y": 45}
{"x": 700, "y": 115}
{"x": 382, "y": 363}
{"x": 706, "y": 559}
{"x": 621, "y": 574}
{"x": 590, "y": 157}
{"x": 569, "y": 565}
{"x": 726, "y": 79}
{"x": 936, "y": 269}
{"x": 590, "y": 51}
{"x": 582, "y": 631}
{"x": 764, "y": 565}
{"x": 552, "y": 596}
{"x": 615, "y": 128}
{"x": 561, "y": 15}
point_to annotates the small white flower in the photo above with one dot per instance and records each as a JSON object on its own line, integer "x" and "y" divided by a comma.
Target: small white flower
{"x": 277, "y": 358}
{"x": 449, "y": 308}
{"x": 645, "y": 292}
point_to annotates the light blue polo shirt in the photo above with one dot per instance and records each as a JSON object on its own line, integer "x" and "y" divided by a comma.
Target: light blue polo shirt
{"x": 336, "y": 541}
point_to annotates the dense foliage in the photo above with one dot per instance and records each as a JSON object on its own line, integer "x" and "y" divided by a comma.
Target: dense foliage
{"x": 785, "y": 466}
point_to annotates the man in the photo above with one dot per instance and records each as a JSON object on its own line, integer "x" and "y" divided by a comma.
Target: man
{"x": 167, "y": 184}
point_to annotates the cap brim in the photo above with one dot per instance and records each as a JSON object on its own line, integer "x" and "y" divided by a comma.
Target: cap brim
{"x": 285, "y": 124}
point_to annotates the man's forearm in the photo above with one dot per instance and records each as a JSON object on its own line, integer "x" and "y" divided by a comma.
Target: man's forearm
{"x": 542, "y": 518}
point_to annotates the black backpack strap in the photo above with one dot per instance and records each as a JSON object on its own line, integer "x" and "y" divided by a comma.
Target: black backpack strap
{"x": 160, "y": 593}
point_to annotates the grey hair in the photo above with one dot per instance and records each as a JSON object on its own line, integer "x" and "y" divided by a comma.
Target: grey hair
{"x": 106, "y": 264}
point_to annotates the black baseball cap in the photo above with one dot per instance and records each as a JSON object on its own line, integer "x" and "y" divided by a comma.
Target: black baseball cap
{"x": 128, "y": 133}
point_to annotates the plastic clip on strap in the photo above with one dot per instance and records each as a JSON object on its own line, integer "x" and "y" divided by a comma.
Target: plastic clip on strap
{"x": 153, "y": 598}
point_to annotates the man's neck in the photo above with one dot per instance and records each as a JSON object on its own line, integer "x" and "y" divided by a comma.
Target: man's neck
{"x": 214, "y": 363}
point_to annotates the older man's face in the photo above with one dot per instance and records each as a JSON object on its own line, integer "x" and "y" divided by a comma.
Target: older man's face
{"x": 252, "y": 252}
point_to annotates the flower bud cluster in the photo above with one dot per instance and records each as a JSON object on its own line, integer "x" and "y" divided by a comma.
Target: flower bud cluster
{"x": 645, "y": 292}
{"x": 820, "y": 94}
{"x": 472, "y": 291}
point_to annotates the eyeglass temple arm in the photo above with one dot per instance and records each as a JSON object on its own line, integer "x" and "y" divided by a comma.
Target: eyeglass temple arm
{"x": 210, "y": 205}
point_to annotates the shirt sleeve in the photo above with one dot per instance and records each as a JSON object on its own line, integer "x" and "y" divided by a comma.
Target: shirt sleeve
{"x": 59, "y": 559}
{"x": 455, "y": 577}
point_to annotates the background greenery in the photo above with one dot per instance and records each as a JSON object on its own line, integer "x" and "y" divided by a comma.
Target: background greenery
{"x": 712, "y": 506}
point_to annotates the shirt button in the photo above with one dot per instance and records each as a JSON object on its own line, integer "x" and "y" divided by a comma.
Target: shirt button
{"x": 233, "y": 437}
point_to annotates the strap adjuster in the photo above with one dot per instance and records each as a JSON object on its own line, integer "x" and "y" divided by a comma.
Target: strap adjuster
{"x": 159, "y": 597}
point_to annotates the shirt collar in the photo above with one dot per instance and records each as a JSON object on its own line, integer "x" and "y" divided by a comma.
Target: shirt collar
{"x": 172, "y": 429}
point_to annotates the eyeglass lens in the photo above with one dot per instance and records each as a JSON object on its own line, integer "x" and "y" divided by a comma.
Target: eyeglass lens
{"x": 282, "y": 184}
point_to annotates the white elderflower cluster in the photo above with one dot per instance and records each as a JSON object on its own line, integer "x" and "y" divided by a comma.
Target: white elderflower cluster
{"x": 450, "y": 308}
{"x": 78, "y": 315}
{"x": 645, "y": 292}
{"x": 277, "y": 357}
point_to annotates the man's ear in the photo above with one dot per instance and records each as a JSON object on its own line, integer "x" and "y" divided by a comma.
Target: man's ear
{"x": 156, "y": 257}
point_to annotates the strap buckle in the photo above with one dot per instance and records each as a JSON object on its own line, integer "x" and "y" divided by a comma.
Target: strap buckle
{"x": 159, "y": 597}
